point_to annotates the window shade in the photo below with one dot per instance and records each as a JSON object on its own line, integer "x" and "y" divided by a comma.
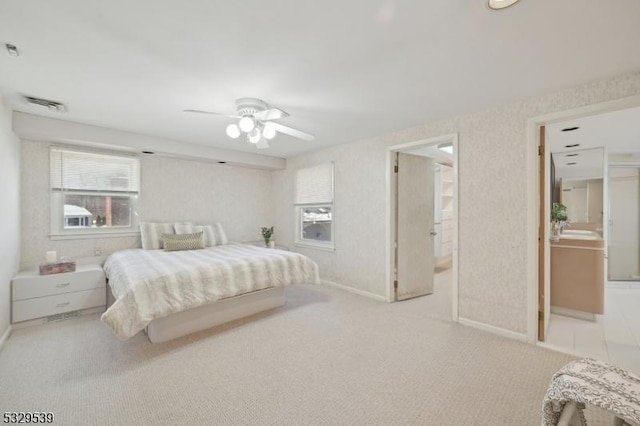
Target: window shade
{"x": 95, "y": 172}
{"x": 314, "y": 185}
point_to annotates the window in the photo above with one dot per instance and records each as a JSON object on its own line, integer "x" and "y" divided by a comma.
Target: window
{"x": 314, "y": 206}
{"x": 93, "y": 192}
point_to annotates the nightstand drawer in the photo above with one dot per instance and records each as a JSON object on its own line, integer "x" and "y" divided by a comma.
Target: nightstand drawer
{"x": 29, "y": 286}
{"x": 43, "y": 306}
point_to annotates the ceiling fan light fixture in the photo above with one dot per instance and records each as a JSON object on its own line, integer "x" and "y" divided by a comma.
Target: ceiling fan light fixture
{"x": 255, "y": 135}
{"x": 254, "y": 122}
{"x": 501, "y": 4}
{"x": 269, "y": 132}
{"x": 233, "y": 131}
{"x": 247, "y": 124}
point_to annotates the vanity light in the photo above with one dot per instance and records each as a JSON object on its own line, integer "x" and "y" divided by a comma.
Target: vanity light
{"x": 501, "y": 4}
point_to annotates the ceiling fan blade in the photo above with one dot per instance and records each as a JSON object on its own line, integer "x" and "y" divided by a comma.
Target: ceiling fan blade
{"x": 211, "y": 113}
{"x": 262, "y": 144}
{"x": 292, "y": 132}
{"x": 271, "y": 114}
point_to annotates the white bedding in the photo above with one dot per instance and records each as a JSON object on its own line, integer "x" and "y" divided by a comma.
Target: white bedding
{"x": 150, "y": 284}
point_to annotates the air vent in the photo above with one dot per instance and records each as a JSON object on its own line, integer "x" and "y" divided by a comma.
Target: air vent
{"x": 51, "y": 105}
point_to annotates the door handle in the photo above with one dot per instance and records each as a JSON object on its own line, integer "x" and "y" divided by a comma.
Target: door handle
{"x": 433, "y": 233}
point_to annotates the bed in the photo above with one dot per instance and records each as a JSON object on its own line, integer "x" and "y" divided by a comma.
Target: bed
{"x": 171, "y": 294}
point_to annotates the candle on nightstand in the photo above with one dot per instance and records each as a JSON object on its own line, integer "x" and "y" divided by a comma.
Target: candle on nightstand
{"x": 52, "y": 257}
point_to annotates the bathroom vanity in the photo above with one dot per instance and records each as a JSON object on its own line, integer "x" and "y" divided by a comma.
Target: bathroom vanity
{"x": 577, "y": 274}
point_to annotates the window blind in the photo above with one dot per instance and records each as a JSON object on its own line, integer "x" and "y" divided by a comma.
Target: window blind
{"x": 314, "y": 185}
{"x": 94, "y": 172}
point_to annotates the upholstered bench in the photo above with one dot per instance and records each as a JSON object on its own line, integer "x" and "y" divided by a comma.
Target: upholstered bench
{"x": 587, "y": 381}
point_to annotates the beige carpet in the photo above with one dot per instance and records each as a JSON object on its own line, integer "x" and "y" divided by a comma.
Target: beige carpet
{"x": 327, "y": 358}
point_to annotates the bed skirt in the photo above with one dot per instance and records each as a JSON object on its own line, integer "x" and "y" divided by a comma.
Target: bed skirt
{"x": 203, "y": 317}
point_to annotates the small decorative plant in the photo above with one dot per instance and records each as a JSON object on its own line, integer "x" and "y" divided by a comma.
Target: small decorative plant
{"x": 267, "y": 233}
{"x": 558, "y": 213}
{"x": 558, "y": 220}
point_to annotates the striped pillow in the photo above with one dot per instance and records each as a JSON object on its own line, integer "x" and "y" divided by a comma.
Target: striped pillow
{"x": 173, "y": 242}
{"x": 213, "y": 234}
{"x": 151, "y": 234}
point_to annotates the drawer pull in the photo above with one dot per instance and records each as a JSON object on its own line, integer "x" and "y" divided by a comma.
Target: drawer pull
{"x": 62, "y": 305}
{"x": 62, "y": 285}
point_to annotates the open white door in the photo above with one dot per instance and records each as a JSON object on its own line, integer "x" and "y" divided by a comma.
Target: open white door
{"x": 544, "y": 249}
{"x": 414, "y": 230}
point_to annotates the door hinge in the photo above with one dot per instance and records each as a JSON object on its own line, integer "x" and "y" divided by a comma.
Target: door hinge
{"x": 540, "y": 150}
{"x": 395, "y": 284}
{"x": 540, "y": 316}
{"x": 395, "y": 168}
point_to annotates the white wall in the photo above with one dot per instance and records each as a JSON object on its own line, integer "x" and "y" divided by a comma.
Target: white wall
{"x": 172, "y": 190}
{"x": 493, "y": 170}
{"x": 9, "y": 212}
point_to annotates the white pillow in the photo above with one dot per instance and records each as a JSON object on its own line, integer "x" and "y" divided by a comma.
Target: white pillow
{"x": 213, "y": 234}
{"x": 151, "y": 234}
{"x": 221, "y": 237}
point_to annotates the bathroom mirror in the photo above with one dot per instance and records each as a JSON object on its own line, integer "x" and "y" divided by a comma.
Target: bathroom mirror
{"x": 578, "y": 184}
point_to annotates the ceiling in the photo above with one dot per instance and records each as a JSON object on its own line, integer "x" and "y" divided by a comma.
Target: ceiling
{"x": 618, "y": 132}
{"x": 344, "y": 70}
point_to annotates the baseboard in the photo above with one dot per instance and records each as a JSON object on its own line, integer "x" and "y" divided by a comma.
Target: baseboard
{"x": 492, "y": 329}
{"x": 5, "y": 337}
{"x": 354, "y": 290}
{"x": 586, "y": 316}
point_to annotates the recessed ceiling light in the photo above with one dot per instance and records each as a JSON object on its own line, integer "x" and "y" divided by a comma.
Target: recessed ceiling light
{"x": 573, "y": 145}
{"x": 13, "y": 51}
{"x": 570, "y": 129}
{"x": 571, "y": 164}
{"x": 501, "y": 4}
{"x": 572, "y": 155}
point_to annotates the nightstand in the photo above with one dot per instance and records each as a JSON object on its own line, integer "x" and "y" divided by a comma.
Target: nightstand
{"x": 261, "y": 244}
{"x": 36, "y": 296}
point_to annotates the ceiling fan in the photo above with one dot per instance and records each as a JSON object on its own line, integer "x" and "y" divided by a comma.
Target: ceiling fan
{"x": 256, "y": 121}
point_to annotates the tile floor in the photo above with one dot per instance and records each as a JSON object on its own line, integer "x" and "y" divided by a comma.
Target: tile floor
{"x": 613, "y": 337}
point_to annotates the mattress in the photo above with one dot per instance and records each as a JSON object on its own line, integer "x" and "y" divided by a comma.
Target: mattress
{"x": 149, "y": 284}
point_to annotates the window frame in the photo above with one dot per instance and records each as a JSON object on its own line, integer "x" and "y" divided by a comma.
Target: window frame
{"x": 299, "y": 240}
{"x": 57, "y": 196}
{"x": 311, "y": 243}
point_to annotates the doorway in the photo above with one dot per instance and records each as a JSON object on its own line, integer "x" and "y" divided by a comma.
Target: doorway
{"x": 436, "y": 235}
{"x": 588, "y": 314}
